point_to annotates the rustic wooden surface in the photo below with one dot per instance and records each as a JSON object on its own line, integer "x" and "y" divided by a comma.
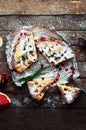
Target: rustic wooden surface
{"x": 69, "y": 18}
{"x": 37, "y": 7}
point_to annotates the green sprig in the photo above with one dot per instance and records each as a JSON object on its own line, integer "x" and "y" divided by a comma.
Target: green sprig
{"x": 38, "y": 73}
{"x": 53, "y": 55}
{"x": 25, "y": 44}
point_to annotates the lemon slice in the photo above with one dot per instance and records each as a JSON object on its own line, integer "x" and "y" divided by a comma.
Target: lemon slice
{"x": 1, "y": 41}
{"x": 19, "y": 53}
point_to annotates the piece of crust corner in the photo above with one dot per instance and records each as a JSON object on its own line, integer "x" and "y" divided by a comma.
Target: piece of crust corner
{"x": 69, "y": 93}
{"x": 38, "y": 88}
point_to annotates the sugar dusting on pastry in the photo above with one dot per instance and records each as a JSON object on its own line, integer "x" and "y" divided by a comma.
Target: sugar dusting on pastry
{"x": 43, "y": 46}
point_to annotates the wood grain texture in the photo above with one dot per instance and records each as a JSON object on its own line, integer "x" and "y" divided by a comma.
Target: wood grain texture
{"x": 41, "y": 7}
{"x": 42, "y": 119}
{"x": 60, "y": 22}
{"x": 70, "y": 36}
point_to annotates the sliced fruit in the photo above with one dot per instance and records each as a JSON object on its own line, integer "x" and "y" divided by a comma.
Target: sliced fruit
{"x": 4, "y": 100}
{"x": 1, "y": 41}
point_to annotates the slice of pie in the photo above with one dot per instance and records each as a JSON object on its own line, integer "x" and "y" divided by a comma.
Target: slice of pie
{"x": 38, "y": 87}
{"x": 24, "y": 53}
{"x": 41, "y": 81}
{"x": 69, "y": 93}
{"x": 55, "y": 51}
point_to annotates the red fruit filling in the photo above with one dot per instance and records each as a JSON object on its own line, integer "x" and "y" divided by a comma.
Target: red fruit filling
{"x": 42, "y": 39}
{"x": 19, "y": 39}
{"x": 42, "y": 78}
{"x": 21, "y": 34}
{"x": 35, "y": 40}
{"x": 42, "y": 66}
{"x": 25, "y": 34}
{"x": 66, "y": 69}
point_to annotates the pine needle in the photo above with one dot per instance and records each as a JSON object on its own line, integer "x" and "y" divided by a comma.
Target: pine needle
{"x": 38, "y": 73}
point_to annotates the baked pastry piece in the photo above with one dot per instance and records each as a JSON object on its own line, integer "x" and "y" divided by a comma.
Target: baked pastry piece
{"x": 38, "y": 87}
{"x": 54, "y": 50}
{"x": 69, "y": 93}
{"x": 24, "y": 53}
{"x": 20, "y": 49}
{"x": 41, "y": 82}
{"x": 13, "y": 39}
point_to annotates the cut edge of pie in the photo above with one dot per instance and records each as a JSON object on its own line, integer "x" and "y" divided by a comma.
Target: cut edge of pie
{"x": 68, "y": 93}
{"x": 38, "y": 88}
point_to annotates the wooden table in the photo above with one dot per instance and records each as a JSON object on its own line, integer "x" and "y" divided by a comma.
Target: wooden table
{"x": 69, "y": 18}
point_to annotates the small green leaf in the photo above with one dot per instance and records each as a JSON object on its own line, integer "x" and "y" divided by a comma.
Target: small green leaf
{"x": 53, "y": 55}
{"x": 25, "y": 57}
{"x": 25, "y": 44}
{"x": 38, "y": 73}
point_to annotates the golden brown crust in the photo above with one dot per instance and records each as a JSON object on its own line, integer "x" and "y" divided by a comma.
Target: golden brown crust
{"x": 38, "y": 88}
{"x": 20, "y": 68}
{"x": 24, "y": 55}
{"x": 69, "y": 93}
{"x": 15, "y": 37}
{"x": 49, "y": 42}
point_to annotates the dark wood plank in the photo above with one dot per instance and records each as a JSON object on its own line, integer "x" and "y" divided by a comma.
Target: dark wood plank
{"x": 80, "y": 53}
{"x": 42, "y": 119}
{"x": 60, "y": 22}
{"x": 72, "y": 36}
{"x": 47, "y": 7}
{"x": 82, "y": 68}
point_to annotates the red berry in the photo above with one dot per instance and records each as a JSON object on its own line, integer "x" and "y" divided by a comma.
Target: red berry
{"x": 73, "y": 72}
{"x": 42, "y": 39}
{"x": 19, "y": 39}
{"x": 60, "y": 68}
{"x": 25, "y": 34}
{"x": 20, "y": 34}
{"x": 35, "y": 40}
{"x": 52, "y": 83}
{"x": 42, "y": 66}
{"x": 4, "y": 100}
{"x": 42, "y": 78}
{"x": 66, "y": 69}
{"x": 62, "y": 64}
{"x": 72, "y": 68}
